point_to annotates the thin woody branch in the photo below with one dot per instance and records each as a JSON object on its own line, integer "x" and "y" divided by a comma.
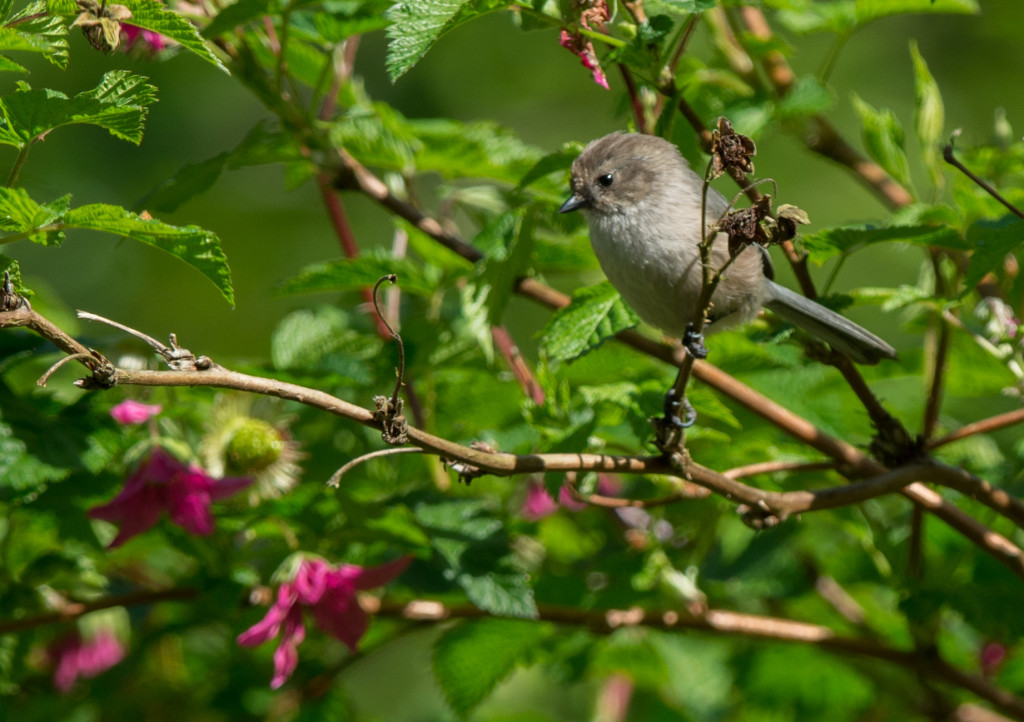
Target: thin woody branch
{"x": 715, "y": 621}
{"x": 777, "y": 505}
{"x": 724, "y": 622}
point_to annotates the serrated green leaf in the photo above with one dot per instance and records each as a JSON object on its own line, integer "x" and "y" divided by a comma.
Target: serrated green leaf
{"x": 24, "y": 218}
{"x": 929, "y": 115}
{"x": 196, "y": 246}
{"x": 470, "y": 659}
{"x": 883, "y": 138}
{"x": 868, "y": 10}
{"x": 323, "y": 340}
{"x": 417, "y": 24}
{"x": 363, "y": 271}
{"x": 155, "y": 16}
{"x": 10, "y": 267}
{"x": 31, "y": 29}
{"x": 827, "y": 243}
{"x": 503, "y": 595}
{"x": 595, "y": 314}
{"x": 991, "y": 241}
{"x": 117, "y": 104}
{"x": 380, "y": 136}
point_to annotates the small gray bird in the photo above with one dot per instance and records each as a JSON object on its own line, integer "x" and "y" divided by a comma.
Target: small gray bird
{"x": 642, "y": 203}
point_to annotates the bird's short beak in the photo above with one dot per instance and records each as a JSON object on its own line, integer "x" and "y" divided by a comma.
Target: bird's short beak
{"x": 574, "y": 203}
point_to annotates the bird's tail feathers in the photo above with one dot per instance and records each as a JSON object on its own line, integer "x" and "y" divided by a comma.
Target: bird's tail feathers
{"x": 838, "y": 332}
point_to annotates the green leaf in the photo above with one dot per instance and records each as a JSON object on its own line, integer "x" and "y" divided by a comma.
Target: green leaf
{"x": 417, "y": 24}
{"x": 503, "y": 595}
{"x": 827, "y": 243}
{"x": 883, "y": 138}
{"x": 261, "y": 146}
{"x": 595, "y": 314}
{"x": 838, "y": 17}
{"x": 551, "y": 163}
{"x": 155, "y": 16}
{"x": 511, "y": 237}
{"x": 117, "y": 104}
{"x": 363, "y": 271}
{"x": 9, "y": 266}
{"x": 32, "y": 30}
{"x": 692, "y": 6}
{"x": 323, "y": 340}
{"x": 991, "y": 241}
{"x": 21, "y": 217}
{"x": 240, "y": 13}
{"x": 470, "y": 659}
{"x": 197, "y": 247}
{"x": 868, "y": 10}
{"x": 807, "y": 97}
{"x": 378, "y": 135}
{"x": 929, "y": 115}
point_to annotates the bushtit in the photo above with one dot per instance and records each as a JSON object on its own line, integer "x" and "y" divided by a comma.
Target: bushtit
{"x": 642, "y": 203}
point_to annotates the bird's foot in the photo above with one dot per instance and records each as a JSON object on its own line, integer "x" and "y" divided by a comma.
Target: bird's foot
{"x": 693, "y": 342}
{"x": 672, "y": 408}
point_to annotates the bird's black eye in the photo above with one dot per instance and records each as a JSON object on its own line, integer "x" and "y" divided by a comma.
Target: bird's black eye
{"x": 605, "y": 180}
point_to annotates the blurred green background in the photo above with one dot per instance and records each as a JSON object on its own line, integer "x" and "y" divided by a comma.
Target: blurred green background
{"x": 522, "y": 80}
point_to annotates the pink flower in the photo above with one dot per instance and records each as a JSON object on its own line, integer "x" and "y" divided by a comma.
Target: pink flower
{"x": 992, "y": 656}
{"x": 538, "y": 504}
{"x": 164, "y": 484}
{"x": 568, "y": 501}
{"x": 136, "y": 38}
{"x": 76, "y": 657}
{"x": 330, "y": 595}
{"x": 130, "y": 412}
{"x": 577, "y": 44}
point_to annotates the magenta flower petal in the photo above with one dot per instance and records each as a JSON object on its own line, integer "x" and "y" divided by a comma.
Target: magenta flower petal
{"x": 378, "y": 576}
{"x": 286, "y": 656}
{"x": 223, "y": 488}
{"x": 191, "y": 511}
{"x": 75, "y": 657}
{"x": 268, "y": 627}
{"x": 130, "y": 412}
{"x": 137, "y": 512}
{"x": 343, "y": 619}
{"x": 311, "y": 580}
{"x": 538, "y": 504}
{"x": 566, "y": 499}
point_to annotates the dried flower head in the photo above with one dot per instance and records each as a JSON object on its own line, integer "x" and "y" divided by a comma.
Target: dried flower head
{"x": 730, "y": 150}
{"x": 744, "y": 226}
{"x": 101, "y": 23}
